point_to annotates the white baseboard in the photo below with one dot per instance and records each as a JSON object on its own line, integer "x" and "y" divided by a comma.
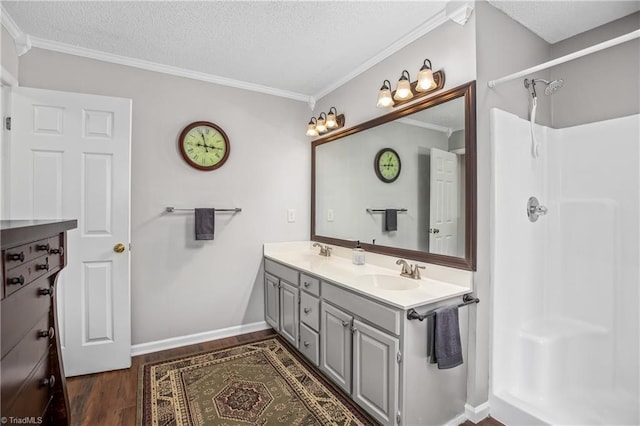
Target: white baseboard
{"x": 456, "y": 421}
{"x": 475, "y": 414}
{"x": 192, "y": 339}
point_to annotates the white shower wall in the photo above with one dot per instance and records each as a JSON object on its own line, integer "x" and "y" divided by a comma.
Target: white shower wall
{"x": 565, "y": 288}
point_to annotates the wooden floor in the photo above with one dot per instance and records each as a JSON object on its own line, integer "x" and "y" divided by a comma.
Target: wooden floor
{"x": 109, "y": 399}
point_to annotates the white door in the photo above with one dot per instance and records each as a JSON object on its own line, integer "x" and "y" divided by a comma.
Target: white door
{"x": 443, "y": 207}
{"x": 70, "y": 158}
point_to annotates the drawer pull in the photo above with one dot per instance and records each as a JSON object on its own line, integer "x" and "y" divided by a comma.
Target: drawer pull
{"x": 59, "y": 251}
{"x": 50, "y": 382}
{"x": 45, "y": 292}
{"x": 306, "y": 344}
{"x": 307, "y": 310}
{"x": 42, "y": 247}
{"x": 50, "y": 333}
{"x": 345, "y": 323}
{"x": 16, "y": 280}
{"x": 16, "y": 256}
{"x": 44, "y": 266}
{"x": 307, "y": 283}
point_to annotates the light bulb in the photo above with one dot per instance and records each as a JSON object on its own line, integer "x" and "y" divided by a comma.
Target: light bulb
{"x": 321, "y": 124}
{"x": 311, "y": 128}
{"x": 425, "y": 79}
{"x": 403, "y": 88}
{"x": 332, "y": 122}
{"x": 384, "y": 95}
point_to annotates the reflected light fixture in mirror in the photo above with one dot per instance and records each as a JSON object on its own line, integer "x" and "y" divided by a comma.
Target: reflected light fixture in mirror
{"x": 325, "y": 123}
{"x": 427, "y": 82}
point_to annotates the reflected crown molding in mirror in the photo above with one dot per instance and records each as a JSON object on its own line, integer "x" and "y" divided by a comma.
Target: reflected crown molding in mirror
{"x": 344, "y": 189}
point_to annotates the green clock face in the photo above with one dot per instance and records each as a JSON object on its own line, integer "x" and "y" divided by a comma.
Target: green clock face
{"x": 387, "y": 165}
{"x": 204, "y": 145}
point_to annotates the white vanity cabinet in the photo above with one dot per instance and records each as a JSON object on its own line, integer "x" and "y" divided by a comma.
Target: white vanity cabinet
{"x": 282, "y": 299}
{"x": 335, "y": 345}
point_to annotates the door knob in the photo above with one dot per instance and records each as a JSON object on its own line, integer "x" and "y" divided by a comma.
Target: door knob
{"x": 118, "y": 248}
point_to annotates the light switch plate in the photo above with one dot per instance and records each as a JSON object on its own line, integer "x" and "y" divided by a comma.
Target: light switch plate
{"x": 291, "y": 215}
{"x": 330, "y": 215}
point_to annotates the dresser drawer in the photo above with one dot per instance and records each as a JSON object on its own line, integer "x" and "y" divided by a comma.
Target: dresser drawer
{"x": 281, "y": 271}
{"x": 309, "y": 344}
{"x": 22, "y": 275}
{"x": 23, "y": 358}
{"x": 33, "y": 397}
{"x": 19, "y": 255}
{"x": 310, "y": 284}
{"x": 310, "y": 310}
{"x": 21, "y": 311}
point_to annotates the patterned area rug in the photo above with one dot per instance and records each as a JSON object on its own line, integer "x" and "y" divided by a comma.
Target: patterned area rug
{"x": 261, "y": 383}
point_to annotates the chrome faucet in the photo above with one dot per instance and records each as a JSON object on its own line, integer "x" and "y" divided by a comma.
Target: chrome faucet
{"x": 409, "y": 271}
{"x": 324, "y": 250}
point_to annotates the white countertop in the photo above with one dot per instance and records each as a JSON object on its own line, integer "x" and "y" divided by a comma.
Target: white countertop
{"x": 379, "y": 278}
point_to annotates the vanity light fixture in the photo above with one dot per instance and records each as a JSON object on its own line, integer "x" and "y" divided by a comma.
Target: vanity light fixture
{"x": 384, "y": 95}
{"x": 311, "y": 127}
{"x": 325, "y": 123}
{"x": 427, "y": 82}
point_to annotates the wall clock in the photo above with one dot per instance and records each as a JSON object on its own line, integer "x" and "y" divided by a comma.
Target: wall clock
{"x": 387, "y": 165}
{"x": 204, "y": 145}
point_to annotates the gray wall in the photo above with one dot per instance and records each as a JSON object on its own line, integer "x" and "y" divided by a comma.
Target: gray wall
{"x": 8, "y": 56}
{"x": 503, "y": 47}
{"x": 602, "y": 85}
{"x": 180, "y": 286}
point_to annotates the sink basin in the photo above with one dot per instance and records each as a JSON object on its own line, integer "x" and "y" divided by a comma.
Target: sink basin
{"x": 388, "y": 282}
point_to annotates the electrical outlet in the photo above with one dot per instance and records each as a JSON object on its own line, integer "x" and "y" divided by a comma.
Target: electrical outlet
{"x": 291, "y": 215}
{"x": 330, "y": 215}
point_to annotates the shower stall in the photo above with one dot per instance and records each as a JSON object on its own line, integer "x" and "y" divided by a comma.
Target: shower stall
{"x": 565, "y": 321}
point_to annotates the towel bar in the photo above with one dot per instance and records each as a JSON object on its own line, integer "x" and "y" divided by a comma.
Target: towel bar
{"x": 467, "y": 299}
{"x": 173, "y": 209}
{"x": 384, "y": 210}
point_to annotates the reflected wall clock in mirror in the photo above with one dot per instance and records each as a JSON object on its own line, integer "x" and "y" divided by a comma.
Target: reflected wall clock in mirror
{"x": 204, "y": 145}
{"x": 387, "y": 165}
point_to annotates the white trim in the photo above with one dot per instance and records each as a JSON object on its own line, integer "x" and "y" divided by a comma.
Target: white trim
{"x": 8, "y": 22}
{"x": 459, "y": 151}
{"x": 431, "y": 24}
{"x": 459, "y": 13}
{"x": 566, "y": 58}
{"x": 476, "y": 414}
{"x": 166, "y": 69}
{"x": 7, "y": 79}
{"x": 192, "y": 339}
{"x": 425, "y": 125}
{"x": 458, "y": 420}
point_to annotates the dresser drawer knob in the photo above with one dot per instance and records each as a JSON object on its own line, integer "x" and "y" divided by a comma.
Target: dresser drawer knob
{"x": 307, "y": 310}
{"x": 16, "y": 280}
{"x": 59, "y": 251}
{"x": 51, "y": 381}
{"x": 16, "y": 256}
{"x": 307, "y": 283}
{"x": 306, "y": 344}
{"x": 44, "y": 266}
{"x": 50, "y": 333}
{"x": 42, "y": 247}
{"x": 45, "y": 292}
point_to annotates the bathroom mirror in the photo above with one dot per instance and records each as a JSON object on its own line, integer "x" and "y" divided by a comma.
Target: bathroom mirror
{"x": 434, "y": 194}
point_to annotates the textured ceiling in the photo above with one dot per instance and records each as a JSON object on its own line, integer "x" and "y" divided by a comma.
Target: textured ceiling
{"x": 556, "y": 20}
{"x": 300, "y": 47}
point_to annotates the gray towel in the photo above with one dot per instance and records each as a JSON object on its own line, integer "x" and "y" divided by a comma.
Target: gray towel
{"x": 205, "y": 223}
{"x": 443, "y": 343}
{"x": 391, "y": 220}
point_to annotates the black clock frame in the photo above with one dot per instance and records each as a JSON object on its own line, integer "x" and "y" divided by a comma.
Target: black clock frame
{"x": 186, "y": 158}
{"x": 376, "y": 165}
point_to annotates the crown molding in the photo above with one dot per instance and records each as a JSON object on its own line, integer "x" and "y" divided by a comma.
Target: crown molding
{"x": 417, "y": 123}
{"x": 7, "y": 79}
{"x": 166, "y": 69}
{"x": 459, "y": 12}
{"x": 429, "y": 25}
{"x": 21, "y": 40}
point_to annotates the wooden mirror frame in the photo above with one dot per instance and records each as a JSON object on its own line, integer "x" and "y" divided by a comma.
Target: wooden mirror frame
{"x": 468, "y": 262}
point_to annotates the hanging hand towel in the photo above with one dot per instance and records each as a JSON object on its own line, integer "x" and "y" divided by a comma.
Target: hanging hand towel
{"x": 447, "y": 344}
{"x": 391, "y": 220}
{"x": 205, "y": 223}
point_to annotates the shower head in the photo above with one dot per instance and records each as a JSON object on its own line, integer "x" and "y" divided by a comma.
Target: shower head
{"x": 553, "y": 86}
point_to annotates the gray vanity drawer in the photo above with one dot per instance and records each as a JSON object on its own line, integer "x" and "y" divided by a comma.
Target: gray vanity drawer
{"x": 310, "y": 284}
{"x": 281, "y": 271}
{"x": 376, "y": 313}
{"x": 310, "y": 310}
{"x": 309, "y": 344}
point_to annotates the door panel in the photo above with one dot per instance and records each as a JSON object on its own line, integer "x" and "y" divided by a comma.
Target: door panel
{"x": 70, "y": 158}
{"x": 335, "y": 335}
{"x": 289, "y": 312}
{"x": 375, "y": 372}
{"x": 444, "y": 210}
{"x": 272, "y": 302}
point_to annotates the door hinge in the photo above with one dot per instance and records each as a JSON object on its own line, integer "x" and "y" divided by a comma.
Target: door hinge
{"x": 399, "y": 357}
{"x": 398, "y": 418}
{"x": 7, "y": 123}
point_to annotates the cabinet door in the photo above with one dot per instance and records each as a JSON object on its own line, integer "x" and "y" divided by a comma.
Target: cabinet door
{"x": 375, "y": 372}
{"x": 335, "y": 345}
{"x": 271, "y": 302}
{"x": 289, "y": 312}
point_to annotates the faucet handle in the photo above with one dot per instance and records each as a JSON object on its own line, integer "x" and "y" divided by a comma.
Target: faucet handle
{"x": 406, "y": 269}
{"x": 415, "y": 271}
{"x": 327, "y": 250}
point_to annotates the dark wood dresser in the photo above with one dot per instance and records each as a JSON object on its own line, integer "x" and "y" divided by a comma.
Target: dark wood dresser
{"x": 32, "y": 376}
